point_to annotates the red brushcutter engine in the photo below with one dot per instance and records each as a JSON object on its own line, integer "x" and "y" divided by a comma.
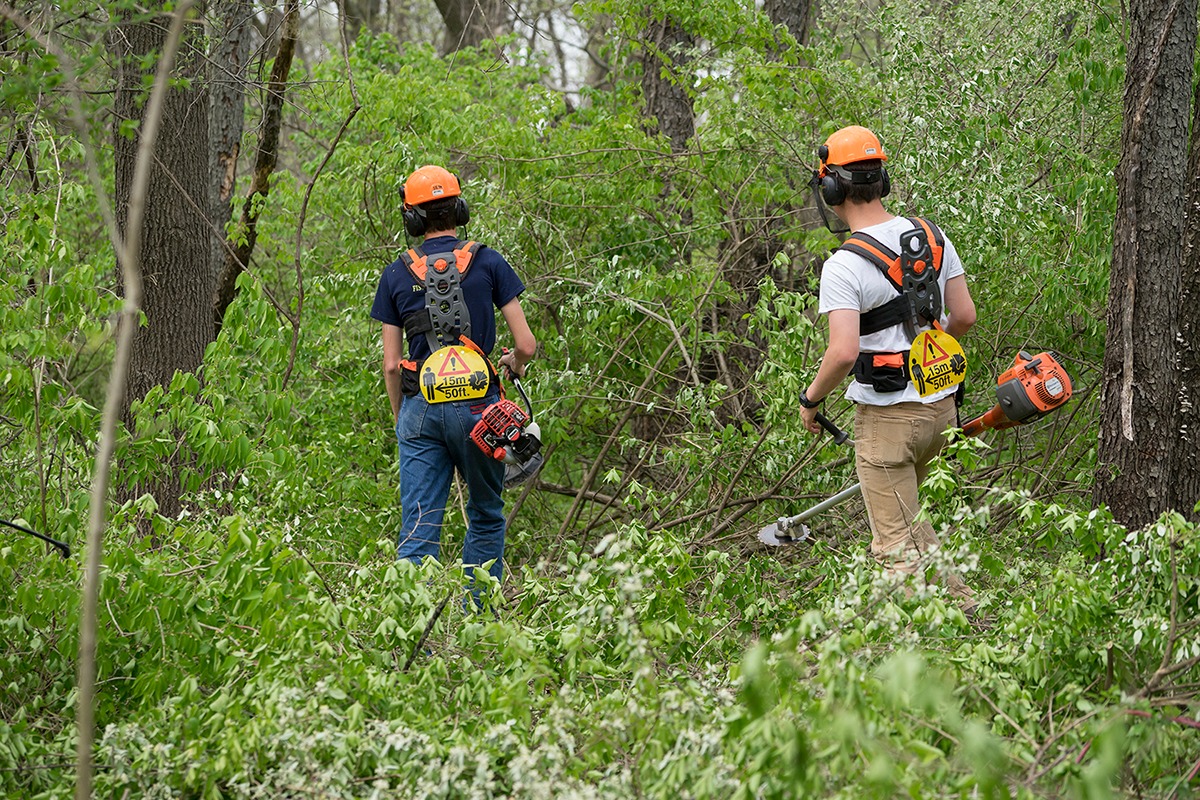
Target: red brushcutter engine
{"x": 1030, "y": 389}
{"x": 507, "y": 433}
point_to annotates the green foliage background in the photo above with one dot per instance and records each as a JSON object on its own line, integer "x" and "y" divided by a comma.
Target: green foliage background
{"x": 268, "y": 643}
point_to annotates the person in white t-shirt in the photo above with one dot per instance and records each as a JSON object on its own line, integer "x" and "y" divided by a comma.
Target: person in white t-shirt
{"x": 897, "y": 431}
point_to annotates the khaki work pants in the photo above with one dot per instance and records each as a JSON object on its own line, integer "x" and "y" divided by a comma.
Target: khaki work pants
{"x": 893, "y": 447}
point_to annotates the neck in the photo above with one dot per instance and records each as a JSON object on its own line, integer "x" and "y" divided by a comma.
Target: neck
{"x": 434, "y": 234}
{"x": 863, "y": 215}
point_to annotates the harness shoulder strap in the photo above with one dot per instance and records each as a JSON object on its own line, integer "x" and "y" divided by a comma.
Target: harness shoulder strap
{"x": 417, "y": 260}
{"x": 414, "y": 259}
{"x": 868, "y": 247}
{"x": 463, "y": 255}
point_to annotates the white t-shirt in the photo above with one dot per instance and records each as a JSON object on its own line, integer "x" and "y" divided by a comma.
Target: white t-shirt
{"x": 851, "y": 282}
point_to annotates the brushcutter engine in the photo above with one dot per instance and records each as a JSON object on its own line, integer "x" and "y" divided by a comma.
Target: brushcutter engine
{"x": 507, "y": 433}
{"x": 504, "y": 433}
{"x": 1029, "y": 390}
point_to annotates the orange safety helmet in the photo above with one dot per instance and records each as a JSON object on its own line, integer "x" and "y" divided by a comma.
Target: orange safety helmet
{"x": 850, "y": 144}
{"x": 429, "y": 183}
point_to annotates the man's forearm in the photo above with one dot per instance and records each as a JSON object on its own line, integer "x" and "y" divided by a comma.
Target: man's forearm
{"x": 833, "y": 370}
{"x": 392, "y": 381}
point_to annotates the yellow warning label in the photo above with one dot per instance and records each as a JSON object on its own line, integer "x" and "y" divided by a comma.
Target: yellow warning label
{"x": 454, "y": 373}
{"x": 936, "y": 362}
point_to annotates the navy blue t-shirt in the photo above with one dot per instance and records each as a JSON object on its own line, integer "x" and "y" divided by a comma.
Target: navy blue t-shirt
{"x": 490, "y": 283}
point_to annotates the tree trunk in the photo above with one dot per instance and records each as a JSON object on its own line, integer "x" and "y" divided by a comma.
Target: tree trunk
{"x": 598, "y": 50}
{"x": 228, "y": 61}
{"x": 239, "y": 247}
{"x": 795, "y": 15}
{"x": 469, "y": 23}
{"x": 666, "y": 77}
{"x": 1139, "y": 426}
{"x": 175, "y": 252}
{"x": 1186, "y": 466}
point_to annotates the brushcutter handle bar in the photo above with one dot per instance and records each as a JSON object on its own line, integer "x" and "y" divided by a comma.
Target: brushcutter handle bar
{"x": 516, "y": 381}
{"x": 62, "y": 547}
{"x": 839, "y": 435}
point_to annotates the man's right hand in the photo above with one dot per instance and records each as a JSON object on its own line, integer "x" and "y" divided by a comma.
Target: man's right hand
{"x": 509, "y": 361}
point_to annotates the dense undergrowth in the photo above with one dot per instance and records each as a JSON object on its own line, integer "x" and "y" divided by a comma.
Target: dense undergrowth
{"x": 642, "y": 644}
{"x": 235, "y": 662}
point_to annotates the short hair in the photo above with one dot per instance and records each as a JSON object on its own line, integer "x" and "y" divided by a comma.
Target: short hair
{"x": 441, "y": 214}
{"x": 864, "y": 192}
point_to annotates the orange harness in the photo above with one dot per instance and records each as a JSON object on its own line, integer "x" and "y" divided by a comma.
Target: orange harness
{"x": 914, "y": 273}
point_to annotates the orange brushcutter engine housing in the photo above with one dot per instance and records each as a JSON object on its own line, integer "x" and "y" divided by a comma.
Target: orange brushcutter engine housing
{"x": 1031, "y": 388}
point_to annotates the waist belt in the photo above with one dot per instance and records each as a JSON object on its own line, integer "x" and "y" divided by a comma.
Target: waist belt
{"x": 883, "y": 372}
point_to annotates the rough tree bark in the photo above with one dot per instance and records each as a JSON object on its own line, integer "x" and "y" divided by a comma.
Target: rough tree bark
{"x": 175, "y": 260}
{"x": 797, "y": 16}
{"x": 228, "y": 60}
{"x": 469, "y": 23}
{"x": 359, "y": 14}
{"x": 1139, "y": 427}
{"x": 665, "y": 55}
{"x": 1186, "y": 467}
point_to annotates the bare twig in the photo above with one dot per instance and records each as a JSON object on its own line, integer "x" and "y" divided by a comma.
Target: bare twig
{"x": 437, "y": 612}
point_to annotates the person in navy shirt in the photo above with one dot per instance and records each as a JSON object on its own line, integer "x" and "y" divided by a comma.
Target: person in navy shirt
{"x": 434, "y": 437}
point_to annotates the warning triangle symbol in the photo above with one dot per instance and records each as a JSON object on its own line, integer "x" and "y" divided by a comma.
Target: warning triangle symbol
{"x": 932, "y": 353}
{"x": 453, "y": 364}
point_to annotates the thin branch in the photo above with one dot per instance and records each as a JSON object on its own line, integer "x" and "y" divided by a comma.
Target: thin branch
{"x": 287, "y": 375}
{"x": 437, "y": 612}
{"x": 264, "y": 165}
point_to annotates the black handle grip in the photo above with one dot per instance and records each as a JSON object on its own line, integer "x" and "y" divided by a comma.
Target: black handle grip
{"x": 839, "y": 435}
{"x": 63, "y": 547}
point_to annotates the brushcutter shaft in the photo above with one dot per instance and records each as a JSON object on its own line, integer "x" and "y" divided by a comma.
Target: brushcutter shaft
{"x": 788, "y": 522}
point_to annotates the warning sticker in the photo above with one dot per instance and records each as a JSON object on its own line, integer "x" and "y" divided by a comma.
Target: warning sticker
{"x": 936, "y": 362}
{"x": 454, "y": 373}
{"x": 453, "y": 363}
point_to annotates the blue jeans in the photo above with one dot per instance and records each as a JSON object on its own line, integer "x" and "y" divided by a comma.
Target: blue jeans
{"x": 434, "y": 440}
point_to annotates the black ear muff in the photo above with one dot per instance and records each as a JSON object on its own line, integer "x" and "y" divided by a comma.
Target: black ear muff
{"x": 832, "y": 191}
{"x": 462, "y": 214}
{"x": 414, "y": 222}
{"x": 887, "y": 184}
